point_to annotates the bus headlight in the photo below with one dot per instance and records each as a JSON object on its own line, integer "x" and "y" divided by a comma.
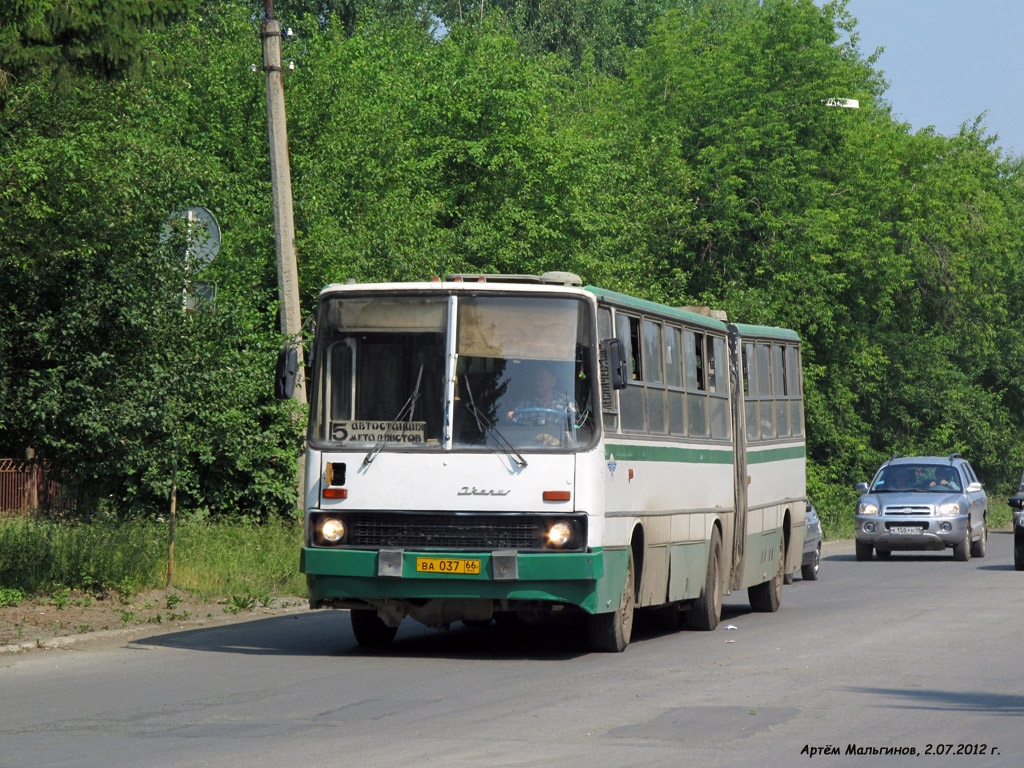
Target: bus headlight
{"x": 559, "y": 534}
{"x": 332, "y": 530}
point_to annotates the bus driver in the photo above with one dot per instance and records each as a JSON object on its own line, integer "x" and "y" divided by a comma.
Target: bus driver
{"x": 546, "y": 404}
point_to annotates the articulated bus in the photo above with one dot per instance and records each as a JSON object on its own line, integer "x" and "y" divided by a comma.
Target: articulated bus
{"x": 506, "y": 446}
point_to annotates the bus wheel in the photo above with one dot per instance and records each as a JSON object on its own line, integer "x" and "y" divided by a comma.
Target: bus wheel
{"x": 706, "y": 612}
{"x": 610, "y": 632}
{"x": 369, "y": 630}
{"x": 766, "y": 597}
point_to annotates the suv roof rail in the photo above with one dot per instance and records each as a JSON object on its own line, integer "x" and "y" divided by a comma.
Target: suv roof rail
{"x": 954, "y": 456}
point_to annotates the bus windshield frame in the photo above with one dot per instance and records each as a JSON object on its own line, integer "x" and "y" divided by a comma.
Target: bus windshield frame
{"x": 455, "y": 371}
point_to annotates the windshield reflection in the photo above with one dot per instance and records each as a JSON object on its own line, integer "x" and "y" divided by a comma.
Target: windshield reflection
{"x": 924, "y": 478}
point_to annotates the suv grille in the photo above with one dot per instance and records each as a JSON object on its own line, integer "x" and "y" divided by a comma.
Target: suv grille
{"x": 448, "y": 531}
{"x": 908, "y": 509}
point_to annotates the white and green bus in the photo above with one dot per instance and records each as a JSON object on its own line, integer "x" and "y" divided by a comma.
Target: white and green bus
{"x": 505, "y": 445}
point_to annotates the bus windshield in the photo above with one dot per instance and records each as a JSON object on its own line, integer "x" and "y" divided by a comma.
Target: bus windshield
{"x": 523, "y": 379}
{"x": 524, "y": 373}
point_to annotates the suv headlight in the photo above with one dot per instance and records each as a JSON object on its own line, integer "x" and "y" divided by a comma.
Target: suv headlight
{"x": 949, "y": 508}
{"x": 867, "y": 508}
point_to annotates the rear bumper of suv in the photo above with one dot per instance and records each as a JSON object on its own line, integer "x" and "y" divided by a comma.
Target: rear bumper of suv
{"x": 933, "y": 532}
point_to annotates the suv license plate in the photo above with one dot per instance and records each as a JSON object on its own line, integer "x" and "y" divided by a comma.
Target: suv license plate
{"x": 905, "y": 530}
{"x": 447, "y": 565}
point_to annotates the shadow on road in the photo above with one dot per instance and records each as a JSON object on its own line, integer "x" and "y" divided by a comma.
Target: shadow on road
{"x": 329, "y": 633}
{"x": 949, "y": 701}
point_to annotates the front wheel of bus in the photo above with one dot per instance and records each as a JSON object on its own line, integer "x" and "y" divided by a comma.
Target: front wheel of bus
{"x": 610, "y": 632}
{"x": 370, "y": 631}
{"x": 766, "y": 597}
{"x": 706, "y": 612}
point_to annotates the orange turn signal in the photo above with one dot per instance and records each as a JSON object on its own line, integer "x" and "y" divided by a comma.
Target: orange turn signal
{"x": 557, "y": 495}
{"x": 335, "y": 493}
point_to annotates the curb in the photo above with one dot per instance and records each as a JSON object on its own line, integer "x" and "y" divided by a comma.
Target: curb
{"x": 67, "y": 641}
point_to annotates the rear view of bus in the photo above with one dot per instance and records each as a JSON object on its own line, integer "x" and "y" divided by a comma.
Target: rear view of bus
{"x": 447, "y": 421}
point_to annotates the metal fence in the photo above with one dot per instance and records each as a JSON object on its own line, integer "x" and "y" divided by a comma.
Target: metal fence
{"x": 26, "y": 488}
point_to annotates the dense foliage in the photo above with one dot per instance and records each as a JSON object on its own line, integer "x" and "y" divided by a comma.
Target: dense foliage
{"x": 684, "y": 151}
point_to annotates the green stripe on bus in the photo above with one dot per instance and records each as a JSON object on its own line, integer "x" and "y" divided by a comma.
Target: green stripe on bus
{"x": 622, "y": 452}
{"x": 776, "y": 454}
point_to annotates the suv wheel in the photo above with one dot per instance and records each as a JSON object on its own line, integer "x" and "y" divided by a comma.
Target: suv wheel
{"x": 863, "y": 550}
{"x": 962, "y": 549}
{"x": 978, "y": 547}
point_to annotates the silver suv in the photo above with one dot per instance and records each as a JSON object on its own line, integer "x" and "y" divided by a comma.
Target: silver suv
{"x": 922, "y": 502}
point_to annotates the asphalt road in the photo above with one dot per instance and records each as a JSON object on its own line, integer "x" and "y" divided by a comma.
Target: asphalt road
{"x": 897, "y": 655}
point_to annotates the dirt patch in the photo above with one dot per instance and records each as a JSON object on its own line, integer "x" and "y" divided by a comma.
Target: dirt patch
{"x": 39, "y": 622}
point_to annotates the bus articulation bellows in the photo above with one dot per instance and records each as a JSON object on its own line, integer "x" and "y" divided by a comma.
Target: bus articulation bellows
{"x": 506, "y": 445}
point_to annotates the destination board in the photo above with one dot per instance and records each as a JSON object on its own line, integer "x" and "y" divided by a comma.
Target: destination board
{"x": 364, "y": 431}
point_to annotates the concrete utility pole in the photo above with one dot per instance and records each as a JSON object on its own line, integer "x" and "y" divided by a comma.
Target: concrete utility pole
{"x": 284, "y": 220}
{"x": 281, "y": 182}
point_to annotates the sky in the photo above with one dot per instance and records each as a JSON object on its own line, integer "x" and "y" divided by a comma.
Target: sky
{"x": 949, "y": 61}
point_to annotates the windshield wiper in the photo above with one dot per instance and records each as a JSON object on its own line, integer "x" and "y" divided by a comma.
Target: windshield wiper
{"x": 407, "y": 411}
{"x": 486, "y": 426}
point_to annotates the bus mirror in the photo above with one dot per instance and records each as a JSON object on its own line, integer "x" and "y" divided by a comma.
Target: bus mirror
{"x": 616, "y": 363}
{"x": 287, "y": 370}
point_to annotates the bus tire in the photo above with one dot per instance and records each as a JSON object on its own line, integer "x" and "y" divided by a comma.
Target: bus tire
{"x": 707, "y": 610}
{"x": 369, "y": 630}
{"x": 766, "y": 597}
{"x": 610, "y": 632}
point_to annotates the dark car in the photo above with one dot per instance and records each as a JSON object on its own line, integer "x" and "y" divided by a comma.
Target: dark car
{"x": 1017, "y": 505}
{"x": 922, "y": 503}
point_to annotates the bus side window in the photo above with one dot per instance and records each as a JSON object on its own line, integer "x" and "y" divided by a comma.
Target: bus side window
{"x": 764, "y": 391}
{"x": 631, "y": 399}
{"x": 750, "y": 392}
{"x": 782, "y": 393}
{"x": 718, "y": 395}
{"x": 635, "y": 345}
{"x": 654, "y": 353}
{"x": 796, "y": 413}
{"x": 674, "y": 379}
{"x": 696, "y": 399}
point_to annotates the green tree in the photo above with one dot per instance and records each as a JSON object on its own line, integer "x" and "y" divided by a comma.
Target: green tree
{"x": 57, "y": 40}
{"x": 104, "y": 374}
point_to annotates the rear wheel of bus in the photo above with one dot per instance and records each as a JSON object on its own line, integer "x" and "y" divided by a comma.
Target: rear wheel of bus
{"x": 610, "y": 632}
{"x": 369, "y": 630}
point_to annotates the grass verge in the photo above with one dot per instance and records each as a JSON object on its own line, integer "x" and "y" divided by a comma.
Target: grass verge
{"x": 210, "y": 559}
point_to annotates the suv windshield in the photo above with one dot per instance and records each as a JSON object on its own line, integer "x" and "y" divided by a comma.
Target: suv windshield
{"x": 897, "y": 478}
{"x": 523, "y": 378}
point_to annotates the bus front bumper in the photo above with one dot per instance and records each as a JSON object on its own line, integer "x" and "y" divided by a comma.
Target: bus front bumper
{"x": 583, "y": 579}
